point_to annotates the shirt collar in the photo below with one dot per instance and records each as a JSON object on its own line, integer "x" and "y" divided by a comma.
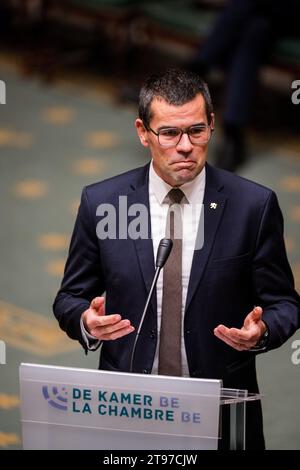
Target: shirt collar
{"x": 192, "y": 190}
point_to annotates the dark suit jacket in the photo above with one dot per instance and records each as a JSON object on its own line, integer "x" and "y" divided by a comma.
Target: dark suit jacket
{"x": 242, "y": 263}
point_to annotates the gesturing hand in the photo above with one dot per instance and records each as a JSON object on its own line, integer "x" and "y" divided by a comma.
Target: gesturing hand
{"x": 104, "y": 327}
{"x": 245, "y": 338}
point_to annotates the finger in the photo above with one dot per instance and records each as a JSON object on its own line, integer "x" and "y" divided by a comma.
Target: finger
{"x": 111, "y": 328}
{"x": 229, "y": 342}
{"x": 254, "y": 316}
{"x": 223, "y": 332}
{"x": 98, "y": 305}
{"x": 104, "y": 320}
{"x": 257, "y": 313}
{"x": 222, "y": 329}
{"x": 241, "y": 336}
{"x": 118, "y": 334}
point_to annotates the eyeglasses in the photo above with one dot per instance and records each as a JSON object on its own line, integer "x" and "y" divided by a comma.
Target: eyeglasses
{"x": 170, "y": 136}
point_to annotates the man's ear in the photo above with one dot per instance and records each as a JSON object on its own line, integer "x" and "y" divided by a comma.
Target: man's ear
{"x": 142, "y": 133}
{"x": 212, "y": 122}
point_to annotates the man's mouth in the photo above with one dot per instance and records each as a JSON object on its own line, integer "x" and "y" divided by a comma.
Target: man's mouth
{"x": 184, "y": 164}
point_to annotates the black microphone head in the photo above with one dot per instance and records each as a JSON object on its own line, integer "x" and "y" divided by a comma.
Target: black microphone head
{"x": 164, "y": 249}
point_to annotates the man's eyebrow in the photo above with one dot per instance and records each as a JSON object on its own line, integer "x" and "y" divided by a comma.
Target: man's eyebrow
{"x": 202, "y": 123}
{"x": 167, "y": 127}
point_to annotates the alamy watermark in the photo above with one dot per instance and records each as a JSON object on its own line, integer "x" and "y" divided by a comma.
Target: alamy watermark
{"x": 2, "y": 92}
{"x": 295, "y": 358}
{"x": 296, "y": 94}
{"x": 2, "y": 352}
{"x": 132, "y": 222}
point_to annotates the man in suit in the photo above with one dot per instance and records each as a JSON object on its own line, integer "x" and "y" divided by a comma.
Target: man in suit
{"x": 236, "y": 291}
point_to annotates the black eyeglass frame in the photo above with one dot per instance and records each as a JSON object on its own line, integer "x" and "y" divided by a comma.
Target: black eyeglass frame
{"x": 182, "y": 131}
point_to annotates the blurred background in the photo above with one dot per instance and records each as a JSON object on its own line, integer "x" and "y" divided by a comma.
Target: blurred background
{"x": 70, "y": 71}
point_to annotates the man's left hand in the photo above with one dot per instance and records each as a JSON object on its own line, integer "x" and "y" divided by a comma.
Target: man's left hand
{"x": 245, "y": 338}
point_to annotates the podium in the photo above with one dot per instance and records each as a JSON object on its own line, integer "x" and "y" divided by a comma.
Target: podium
{"x": 69, "y": 408}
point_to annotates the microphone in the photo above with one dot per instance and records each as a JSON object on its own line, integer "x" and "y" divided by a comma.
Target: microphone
{"x": 163, "y": 252}
{"x": 164, "y": 249}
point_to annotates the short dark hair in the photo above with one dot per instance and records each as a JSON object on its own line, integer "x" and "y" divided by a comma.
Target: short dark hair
{"x": 176, "y": 87}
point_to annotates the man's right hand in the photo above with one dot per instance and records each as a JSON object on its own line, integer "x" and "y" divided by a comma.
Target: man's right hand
{"x": 104, "y": 327}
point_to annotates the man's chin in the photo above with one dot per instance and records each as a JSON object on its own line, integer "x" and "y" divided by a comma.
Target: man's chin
{"x": 185, "y": 176}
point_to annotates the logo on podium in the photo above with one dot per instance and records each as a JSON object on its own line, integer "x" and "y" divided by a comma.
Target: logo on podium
{"x": 55, "y": 397}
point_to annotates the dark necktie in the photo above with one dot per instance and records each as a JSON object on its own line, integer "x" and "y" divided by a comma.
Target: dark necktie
{"x": 170, "y": 332}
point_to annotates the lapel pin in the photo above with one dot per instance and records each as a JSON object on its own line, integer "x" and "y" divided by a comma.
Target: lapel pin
{"x": 213, "y": 205}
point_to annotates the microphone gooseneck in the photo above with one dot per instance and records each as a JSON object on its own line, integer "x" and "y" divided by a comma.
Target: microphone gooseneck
{"x": 163, "y": 252}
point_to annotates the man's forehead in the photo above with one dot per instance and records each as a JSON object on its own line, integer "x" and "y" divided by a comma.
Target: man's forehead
{"x": 161, "y": 109}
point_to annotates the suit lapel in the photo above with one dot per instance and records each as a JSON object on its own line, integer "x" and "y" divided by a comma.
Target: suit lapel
{"x": 214, "y": 204}
{"x": 144, "y": 247}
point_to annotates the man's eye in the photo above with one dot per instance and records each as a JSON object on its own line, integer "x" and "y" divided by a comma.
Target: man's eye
{"x": 170, "y": 132}
{"x": 198, "y": 130}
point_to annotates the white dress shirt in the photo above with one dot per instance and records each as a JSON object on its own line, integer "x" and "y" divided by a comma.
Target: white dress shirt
{"x": 194, "y": 193}
{"x": 158, "y": 189}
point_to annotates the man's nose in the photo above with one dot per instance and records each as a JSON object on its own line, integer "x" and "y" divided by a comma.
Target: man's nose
{"x": 184, "y": 145}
